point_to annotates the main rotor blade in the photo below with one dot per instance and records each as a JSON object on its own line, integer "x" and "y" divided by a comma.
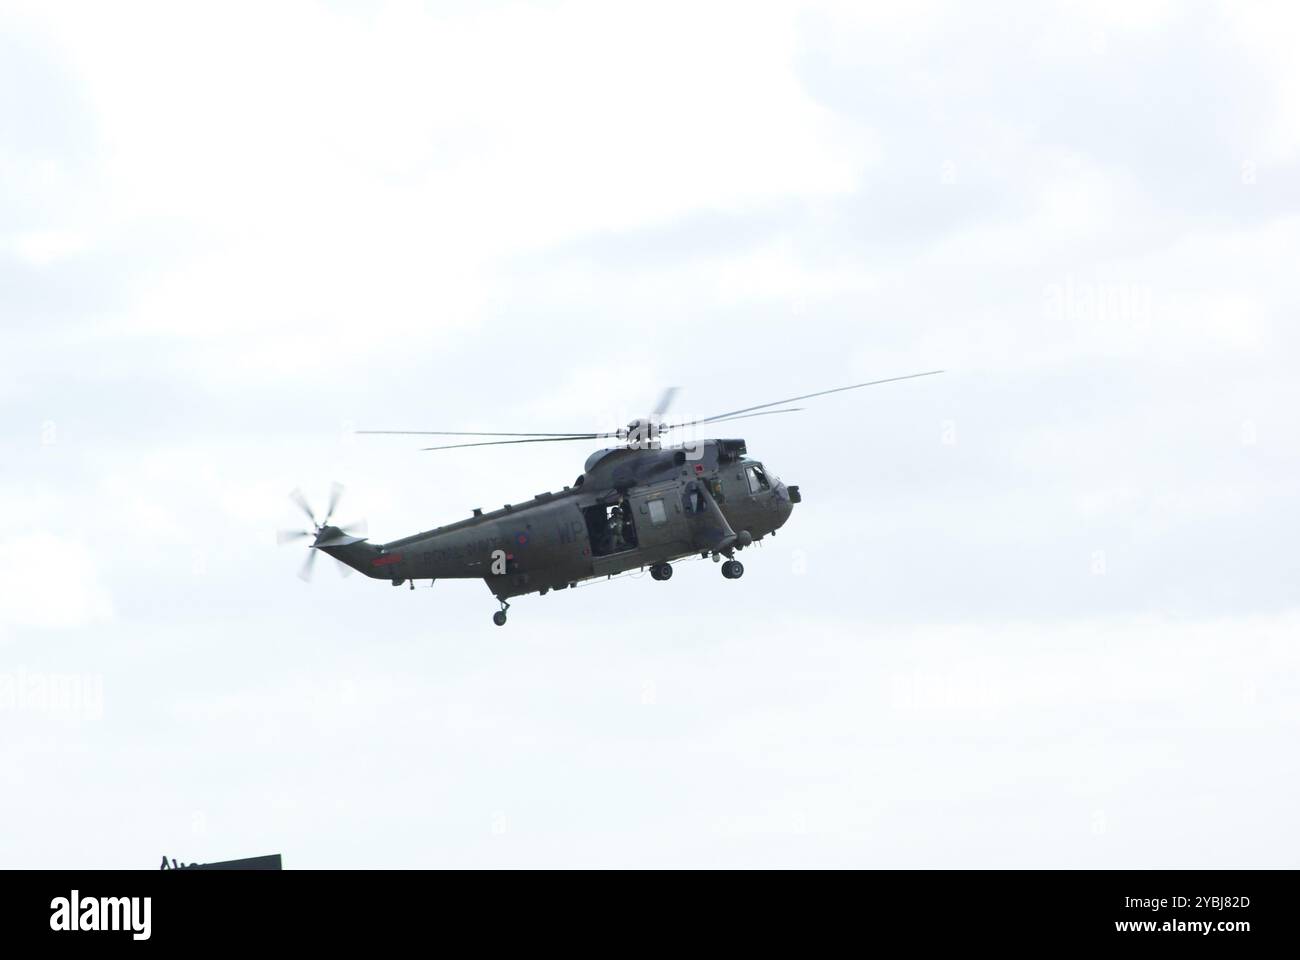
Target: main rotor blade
{"x": 665, "y": 401}
{"x": 809, "y": 396}
{"x": 479, "y": 433}
{"x": 336, "y": 491}
{"x": 288, "y": 536}
{"x": 496, "y": 443}
{"x": 745, "y": 416}
{"x": 296, "y": 496}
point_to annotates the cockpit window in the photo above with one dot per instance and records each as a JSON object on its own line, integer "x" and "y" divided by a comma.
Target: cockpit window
{"x": 757, "y": 478}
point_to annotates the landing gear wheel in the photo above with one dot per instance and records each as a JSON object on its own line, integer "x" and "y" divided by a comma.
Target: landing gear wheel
{"x": 499, "y": 618}
{"x": 733, "y": 569}
{"x": 661, "y": 571}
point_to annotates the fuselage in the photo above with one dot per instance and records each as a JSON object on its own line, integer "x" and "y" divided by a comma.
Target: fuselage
{"x": 630, "y": 508}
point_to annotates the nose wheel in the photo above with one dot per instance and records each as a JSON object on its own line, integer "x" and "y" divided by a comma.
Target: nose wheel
{"x": 499, "y": 618}
{"x": 661, "y": 571}
{"x": 733, "y": 569}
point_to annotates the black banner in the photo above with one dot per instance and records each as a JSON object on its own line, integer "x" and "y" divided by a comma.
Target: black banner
{"x": 182, "y": 908}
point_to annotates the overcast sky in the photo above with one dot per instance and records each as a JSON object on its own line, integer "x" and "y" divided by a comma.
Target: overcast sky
{"x": 1039, "y": 611}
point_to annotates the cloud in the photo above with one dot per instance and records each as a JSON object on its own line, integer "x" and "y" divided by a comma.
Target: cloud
{"x": 51, "y": 583}
{"x": 43, "y": 247}
{"x": 378, "y": 177}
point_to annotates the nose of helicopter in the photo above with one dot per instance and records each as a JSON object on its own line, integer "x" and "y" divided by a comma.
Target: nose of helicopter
{"x": 786, "y": 497}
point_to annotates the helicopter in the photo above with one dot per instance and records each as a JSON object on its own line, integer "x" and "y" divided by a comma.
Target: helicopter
{"x": 636, "y": 505}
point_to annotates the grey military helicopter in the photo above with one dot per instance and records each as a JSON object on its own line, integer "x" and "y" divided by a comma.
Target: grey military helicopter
{"x": 636, "y": 505}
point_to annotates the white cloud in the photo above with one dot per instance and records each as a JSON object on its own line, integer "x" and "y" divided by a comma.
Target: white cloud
{"x": 1266, "y": 33}
{"x": 41, "y": 248}
{"x": 51, "y": 582}
{"x": 379, "y": 175}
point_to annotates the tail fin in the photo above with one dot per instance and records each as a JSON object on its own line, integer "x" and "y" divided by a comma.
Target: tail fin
{"x": 354, "y": 552}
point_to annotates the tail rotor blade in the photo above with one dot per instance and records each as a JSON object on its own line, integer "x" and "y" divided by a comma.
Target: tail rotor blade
{"x": 336, "y": 492}
{"x": 357, "y": 528}
{"x": 344, "y": 570}
{"x": 296, "y": 496}
{"x": 304, "y": 574}
{"x": 319, "y": 536}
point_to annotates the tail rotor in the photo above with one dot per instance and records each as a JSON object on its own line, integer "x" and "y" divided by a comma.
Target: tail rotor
{"x": 322, "y": 534}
